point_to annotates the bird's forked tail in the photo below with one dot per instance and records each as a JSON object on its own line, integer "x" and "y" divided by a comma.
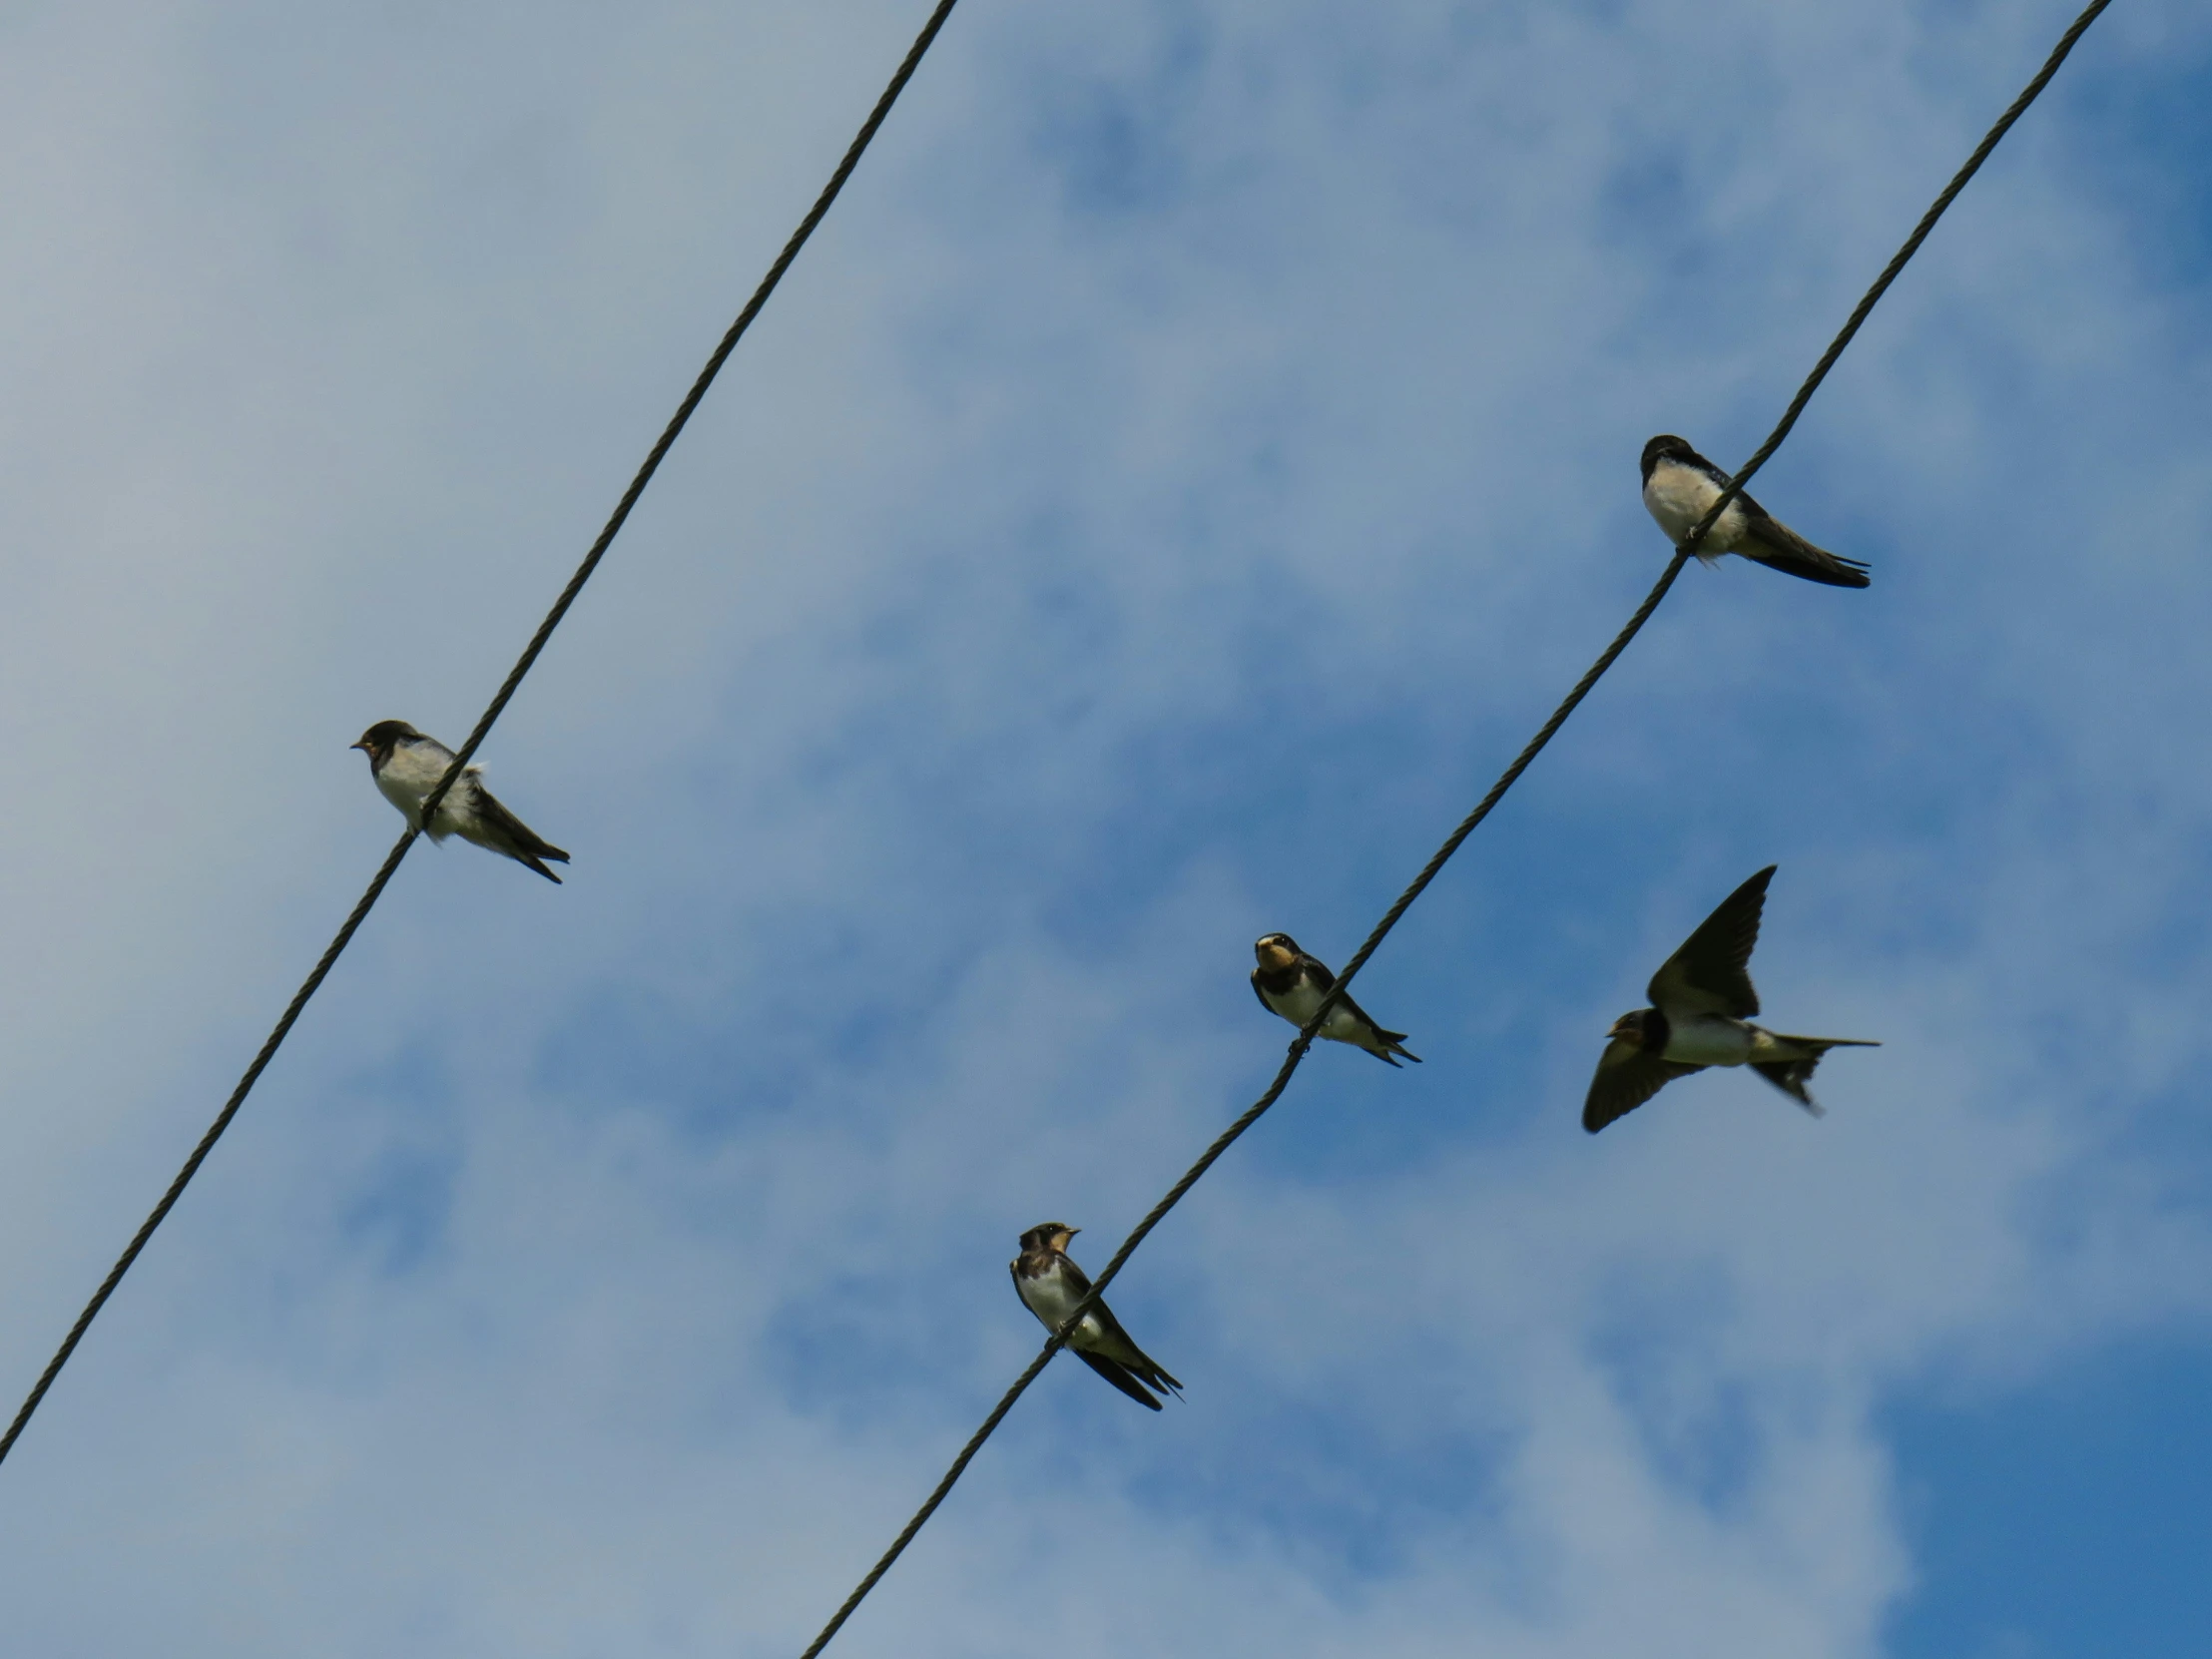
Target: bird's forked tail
{"x": 1790, "y": 1076}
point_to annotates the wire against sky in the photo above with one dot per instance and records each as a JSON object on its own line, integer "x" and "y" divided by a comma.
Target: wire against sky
{"x": 1507, "y": 780}
{"x": 492, "y": 712}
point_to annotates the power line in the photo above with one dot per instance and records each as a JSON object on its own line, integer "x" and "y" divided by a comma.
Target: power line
{"x": 523, "y": 665}
{"x": 1298, "y": 1045}
{"x": 1305, "y": 1038}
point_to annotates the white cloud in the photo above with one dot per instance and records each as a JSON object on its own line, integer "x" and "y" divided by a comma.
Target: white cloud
{"x": 1190, "y": 461}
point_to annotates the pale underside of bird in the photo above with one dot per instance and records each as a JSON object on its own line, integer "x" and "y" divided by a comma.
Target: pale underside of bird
{"x": 407, "y": 766}
{"x": 1680, "y": 487}
{"x": 1050, "y": 1286}
{"x": 1290, "y": 984}
{"x": 1701, "y": 1003}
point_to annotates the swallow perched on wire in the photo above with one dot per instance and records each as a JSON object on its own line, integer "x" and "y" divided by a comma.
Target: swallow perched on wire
{"x": 1701, "y": 1003}
{"x": 1050, "y": 1286}
{"x": 1290, "y": 983}
{"x": 407, "y": 766}
{"x": 1680, "y": 487}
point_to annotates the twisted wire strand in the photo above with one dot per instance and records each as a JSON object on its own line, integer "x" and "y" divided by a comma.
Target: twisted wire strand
{"x": 506, "y": 692}
{"x": 1304, "y": 1041}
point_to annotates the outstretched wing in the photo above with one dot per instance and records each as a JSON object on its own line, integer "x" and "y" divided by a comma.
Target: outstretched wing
{"x": 1710, "y": 974}
{"x": 1626, "y": 1078}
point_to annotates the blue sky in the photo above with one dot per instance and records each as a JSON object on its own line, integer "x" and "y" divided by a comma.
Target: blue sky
{"x": 1196, "y": 453}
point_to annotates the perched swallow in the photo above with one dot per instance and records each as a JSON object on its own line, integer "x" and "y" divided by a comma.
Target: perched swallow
{"x": 1290, "y": 983}
{"x": 1699, "y": 1002}
{"x": 1680, "y": 487}
{"x": 407, "y": 766}
{"x": 1050, "y": 1286}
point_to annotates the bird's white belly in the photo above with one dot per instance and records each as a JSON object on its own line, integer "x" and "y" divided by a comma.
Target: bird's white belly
{"x": 1299, "y": 1002}
{"x": 403, "y": 793}
{"x": 1340, "y": 1025}
{"x": 410, "y": 776}
{"x": 1709, "y": 1040}
{"x": 1051, "y": 1299}
{"x": 1678, "y": 496}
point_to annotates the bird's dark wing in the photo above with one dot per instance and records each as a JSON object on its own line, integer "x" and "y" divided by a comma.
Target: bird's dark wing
{"x": 1626, "y": 1078}
{"x": 1710, "y": 974}
{"x": 1316, "y": 971}
{"x": 1790, "y": 1076}
{"x": 1078, "y": 1281}
{"x": 1116, "y": 1345}
{"x": 1114, "y": 1357}
{"x": 1261, "y": 994}
{"x": 521, "y": 843}
{"x": 1392, "y": 1041}
{"x": 1781, "y": 548}
{"x": 1118, "y": 1375}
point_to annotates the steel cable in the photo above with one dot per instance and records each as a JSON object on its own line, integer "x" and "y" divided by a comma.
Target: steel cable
{"x": 507, "y": 688}
{"x": 1305, "y": 1038}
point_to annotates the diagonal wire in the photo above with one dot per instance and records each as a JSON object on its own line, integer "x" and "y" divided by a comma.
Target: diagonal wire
{"x": 507, "y": 688}
{"x": 1298, "y": 1045}
{"x": 1305, "y": 1038}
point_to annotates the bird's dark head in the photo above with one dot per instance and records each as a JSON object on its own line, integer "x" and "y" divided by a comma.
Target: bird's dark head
{"x": 1667, "y": 448}
{"x": 382, "y": 739}
{"x": 1277, "y": 951}
{"x": 1629, "y": 1027}
{"x": 1049, "y": 1234}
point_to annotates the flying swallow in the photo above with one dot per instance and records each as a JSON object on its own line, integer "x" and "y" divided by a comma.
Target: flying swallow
{"x": 407, "y": 766}
{"x": 1680, "y": 487}
{"x": 1050, "y": 1286}
{"x": 1701, "y": 1001}
{"x": 1290, "y": 983}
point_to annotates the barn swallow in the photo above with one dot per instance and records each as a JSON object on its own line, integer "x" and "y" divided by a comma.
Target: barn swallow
{"x": 407, "y": 766}
{"x": 1699, "y": 1002}
{"x": 1290, "y": 983}
{"x": 1680, "y": 487}
{"x": 1050, "y": 1286}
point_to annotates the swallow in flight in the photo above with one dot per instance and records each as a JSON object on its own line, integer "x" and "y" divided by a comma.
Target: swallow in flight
{"x": 1701, "y": 1003}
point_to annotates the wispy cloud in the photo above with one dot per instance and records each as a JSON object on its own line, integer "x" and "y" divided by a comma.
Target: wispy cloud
{"x": 1193, "y": 457}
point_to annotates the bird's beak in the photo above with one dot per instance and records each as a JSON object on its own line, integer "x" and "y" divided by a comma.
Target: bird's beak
{"x": 1073, "y": 1231}
{"x": 361, "y": 745}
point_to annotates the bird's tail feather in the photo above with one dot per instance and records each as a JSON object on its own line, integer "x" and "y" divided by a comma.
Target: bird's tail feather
{"x": 1119, "y": 1375}
{"x": 1394, "y": 1043}
{"x": 1790, "y": 1076}
{"x": 1831, "y": 569}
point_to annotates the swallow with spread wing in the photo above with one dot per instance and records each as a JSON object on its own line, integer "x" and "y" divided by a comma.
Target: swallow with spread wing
{"x": 1701, "y": 1003}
